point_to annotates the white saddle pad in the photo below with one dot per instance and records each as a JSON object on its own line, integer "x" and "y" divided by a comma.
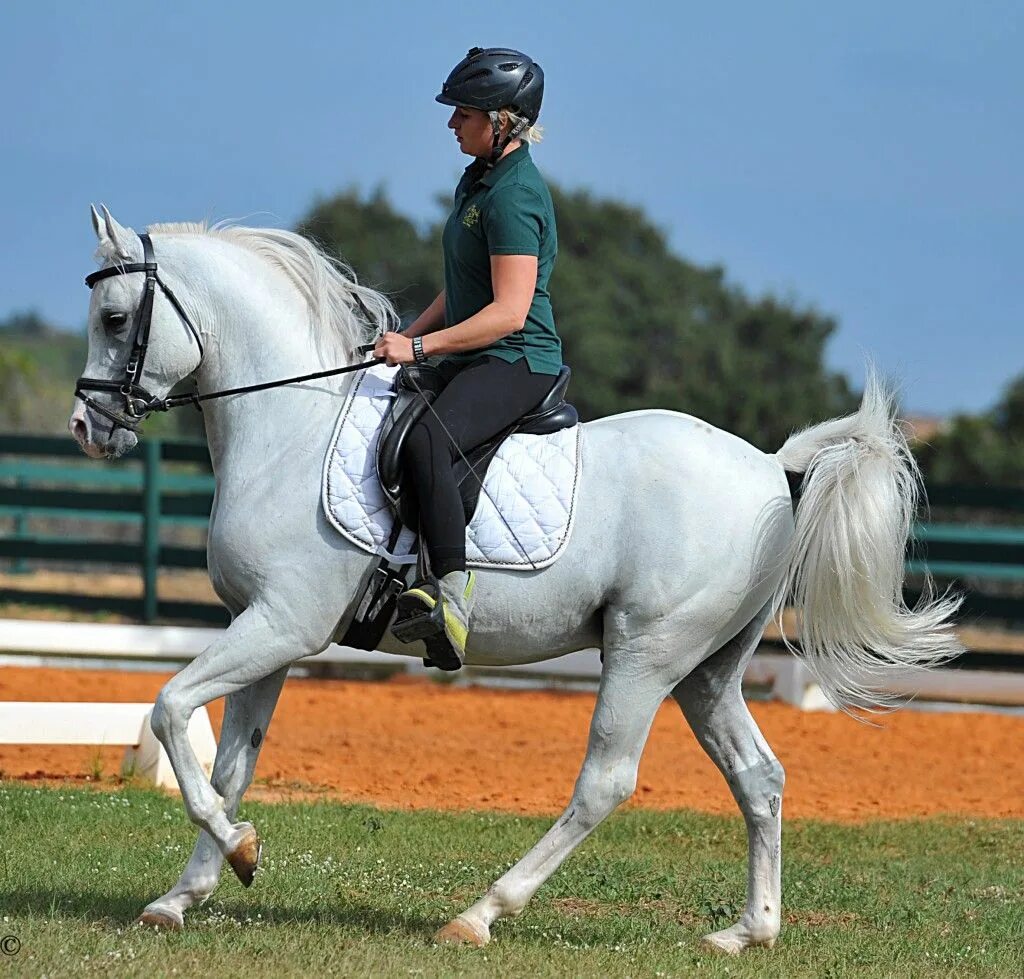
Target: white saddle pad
{"x": 532, "y": 479}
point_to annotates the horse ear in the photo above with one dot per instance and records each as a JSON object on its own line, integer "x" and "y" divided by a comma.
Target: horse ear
{"x": 97, "y": 223}
{"x": 113, "y": 232}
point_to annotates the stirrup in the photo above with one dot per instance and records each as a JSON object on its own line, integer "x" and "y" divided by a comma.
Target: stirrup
{"x": 417, "y": 619}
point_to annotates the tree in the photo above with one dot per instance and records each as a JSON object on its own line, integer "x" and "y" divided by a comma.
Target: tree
{"x": 641, "y": 326}
{"x": 39, "y": 363}
{"x": 385, "y": 248}
{"x": 19, "y": 387}
{"x": 986, "y": 448}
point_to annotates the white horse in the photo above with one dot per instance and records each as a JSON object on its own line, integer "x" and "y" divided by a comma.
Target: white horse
{"x": 686, "y": 542}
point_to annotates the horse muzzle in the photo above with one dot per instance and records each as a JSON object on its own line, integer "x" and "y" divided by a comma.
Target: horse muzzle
{"x": 98, "y": 439}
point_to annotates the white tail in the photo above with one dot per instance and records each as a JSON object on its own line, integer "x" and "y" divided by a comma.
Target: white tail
{"x": 845, "y": 572}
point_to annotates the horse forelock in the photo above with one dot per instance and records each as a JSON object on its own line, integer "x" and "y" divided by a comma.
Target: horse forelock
{"x": 330, "y": 287}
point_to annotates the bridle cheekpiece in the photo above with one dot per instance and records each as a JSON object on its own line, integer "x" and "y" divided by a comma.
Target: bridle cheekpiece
{"x": 138, "y": 402}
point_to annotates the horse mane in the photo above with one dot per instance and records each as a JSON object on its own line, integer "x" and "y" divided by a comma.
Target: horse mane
{"x": 344, "y": 313}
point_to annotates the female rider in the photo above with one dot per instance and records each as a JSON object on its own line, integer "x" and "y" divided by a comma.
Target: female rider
{"x": 492, "y": 322}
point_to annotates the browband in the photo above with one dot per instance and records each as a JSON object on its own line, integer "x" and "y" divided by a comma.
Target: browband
{"x": 93, "y": 277}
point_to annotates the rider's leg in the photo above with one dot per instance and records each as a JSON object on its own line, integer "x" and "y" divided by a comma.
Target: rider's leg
{"x": 467, "y": 412}
{"x": 480, "y": 401}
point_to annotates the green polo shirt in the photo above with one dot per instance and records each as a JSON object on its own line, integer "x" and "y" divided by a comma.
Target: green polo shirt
{"x": 505, "y": 211}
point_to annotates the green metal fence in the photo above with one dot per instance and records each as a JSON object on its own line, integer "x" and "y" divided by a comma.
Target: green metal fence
{"x": 166, "y": 484}
{"x": 159, "y": 486}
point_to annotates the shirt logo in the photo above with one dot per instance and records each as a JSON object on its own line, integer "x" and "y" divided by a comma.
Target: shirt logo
{"x": 471, "y": 217}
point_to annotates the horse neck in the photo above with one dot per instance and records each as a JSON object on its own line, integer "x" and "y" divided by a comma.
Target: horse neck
{"x": 258, "y": 328}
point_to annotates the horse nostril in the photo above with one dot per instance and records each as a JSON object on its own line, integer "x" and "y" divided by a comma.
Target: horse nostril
{"x": 79, "y": 430}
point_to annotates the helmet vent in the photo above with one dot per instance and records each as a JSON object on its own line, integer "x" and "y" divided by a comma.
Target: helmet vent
{"x": 509, "y": 66}
{"x": 483, "y": 73}
{"x": 527, "y": 78}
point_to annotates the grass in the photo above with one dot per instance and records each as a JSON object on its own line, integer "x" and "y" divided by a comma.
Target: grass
{"x": 351, "y": 890}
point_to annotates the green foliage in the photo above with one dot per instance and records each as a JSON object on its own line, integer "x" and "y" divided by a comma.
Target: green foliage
{"x": 355, "y": 891}
{"x": 38, "y": 367}
{"x": 986, "y": 448}
{"x": 39, "y": 363}
{"x": 385, "y": 248}
{"x": 641, "y": 326}
{"x": 645, "y": 328}
{"x": 19, "y": 385}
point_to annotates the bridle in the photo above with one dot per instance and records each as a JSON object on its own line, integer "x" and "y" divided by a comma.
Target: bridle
{"x": 138, "y": 402}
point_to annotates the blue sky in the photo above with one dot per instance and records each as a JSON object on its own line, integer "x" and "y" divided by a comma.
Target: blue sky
{"x": 866, "y": 159}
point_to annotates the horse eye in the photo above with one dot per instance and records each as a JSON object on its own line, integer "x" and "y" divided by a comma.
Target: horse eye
{"x": 112, "y": 318}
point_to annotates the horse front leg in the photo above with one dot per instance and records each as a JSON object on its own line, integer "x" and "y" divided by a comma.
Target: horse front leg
{"x": 252, "y": 648}
{"x": 247, "y": 715}
{"x": 625, "y": 709}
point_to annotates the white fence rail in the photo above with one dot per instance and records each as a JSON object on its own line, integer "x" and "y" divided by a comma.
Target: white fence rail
{"x": 787, "y": 677}
{"x": 50, "y": 722}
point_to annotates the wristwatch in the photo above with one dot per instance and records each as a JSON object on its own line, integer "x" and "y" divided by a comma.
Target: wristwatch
{"x": 417, "y": 350}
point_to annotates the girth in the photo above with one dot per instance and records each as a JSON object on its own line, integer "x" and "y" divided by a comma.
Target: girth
{"x": 551, "y": 415}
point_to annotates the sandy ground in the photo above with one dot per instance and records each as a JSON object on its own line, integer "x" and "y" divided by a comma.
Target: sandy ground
{"x": 420, "y": 744}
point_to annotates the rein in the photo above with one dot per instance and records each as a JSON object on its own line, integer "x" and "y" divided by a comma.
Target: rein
{"x": 138, "y": 401}
{"x": 180, "y": 400}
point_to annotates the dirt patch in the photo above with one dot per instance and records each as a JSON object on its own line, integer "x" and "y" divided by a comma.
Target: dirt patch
{"x": 580, "y": 907}
{"x": 416, "y": 744}
{"x": 820, "y": 919}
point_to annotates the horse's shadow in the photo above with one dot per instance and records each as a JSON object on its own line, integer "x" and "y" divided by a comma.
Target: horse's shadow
{"x": 117, "y": 912}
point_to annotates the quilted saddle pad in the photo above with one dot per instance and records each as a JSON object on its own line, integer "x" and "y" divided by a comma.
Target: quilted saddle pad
{"x": 532, "y": 482}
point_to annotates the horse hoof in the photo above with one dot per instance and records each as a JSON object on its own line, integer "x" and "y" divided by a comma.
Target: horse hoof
{"x": 245, "y": 856}
{"x": 461, "y": 932}
{"x": 731, "y": 943}
{"x": 712, "y": 943}
{"x": 159, "y": 918}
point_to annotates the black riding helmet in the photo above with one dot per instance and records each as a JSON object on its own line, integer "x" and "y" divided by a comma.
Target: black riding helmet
{"x": 490, "y": 79}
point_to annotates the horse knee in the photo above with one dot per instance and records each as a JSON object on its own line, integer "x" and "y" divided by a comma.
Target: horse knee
{"x": 169, "y": 715}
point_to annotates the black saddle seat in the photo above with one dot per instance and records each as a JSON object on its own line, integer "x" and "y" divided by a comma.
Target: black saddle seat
{"x": 551, "y": 415}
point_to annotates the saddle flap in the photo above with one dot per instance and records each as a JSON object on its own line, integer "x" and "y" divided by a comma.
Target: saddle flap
{"x": 532, "y": 483}
{"x": 406, "y": 409}
{"x": 551, "y": 415}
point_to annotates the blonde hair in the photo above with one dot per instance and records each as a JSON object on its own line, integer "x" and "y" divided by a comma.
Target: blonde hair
{"x": 531, "y": 134}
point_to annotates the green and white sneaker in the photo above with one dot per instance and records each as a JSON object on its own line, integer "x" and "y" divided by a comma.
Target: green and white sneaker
{"x": 446, "y": 648}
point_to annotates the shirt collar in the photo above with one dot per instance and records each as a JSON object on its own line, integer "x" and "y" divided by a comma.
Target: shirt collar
{"x": 490, "y": 177}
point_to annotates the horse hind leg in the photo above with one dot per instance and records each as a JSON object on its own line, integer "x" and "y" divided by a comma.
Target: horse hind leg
{"x": 711, "y": 699}
{"x": 247, "y": 715}
{"x": 627, "y": 701}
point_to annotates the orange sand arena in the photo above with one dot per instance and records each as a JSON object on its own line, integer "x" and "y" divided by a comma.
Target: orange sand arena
{"x": 419, "y": 744}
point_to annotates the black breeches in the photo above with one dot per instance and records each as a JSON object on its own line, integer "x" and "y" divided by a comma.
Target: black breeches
{"x": 478, "y": 402}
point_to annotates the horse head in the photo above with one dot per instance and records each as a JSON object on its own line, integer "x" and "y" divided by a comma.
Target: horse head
{"x": 141, "y": 341}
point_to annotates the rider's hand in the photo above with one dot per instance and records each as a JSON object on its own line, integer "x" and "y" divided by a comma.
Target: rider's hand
{"x": 395, "y": 348}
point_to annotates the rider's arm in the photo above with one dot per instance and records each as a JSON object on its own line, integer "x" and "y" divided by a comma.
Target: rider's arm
{"x": 513, "y": 281}
{"x": 432, "y": 318}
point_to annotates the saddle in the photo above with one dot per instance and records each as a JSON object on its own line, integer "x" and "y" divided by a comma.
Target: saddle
{"x": 408, "y": 407}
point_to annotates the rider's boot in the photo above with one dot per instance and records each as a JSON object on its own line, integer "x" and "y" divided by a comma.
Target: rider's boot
{"x": 446, "y": 644}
